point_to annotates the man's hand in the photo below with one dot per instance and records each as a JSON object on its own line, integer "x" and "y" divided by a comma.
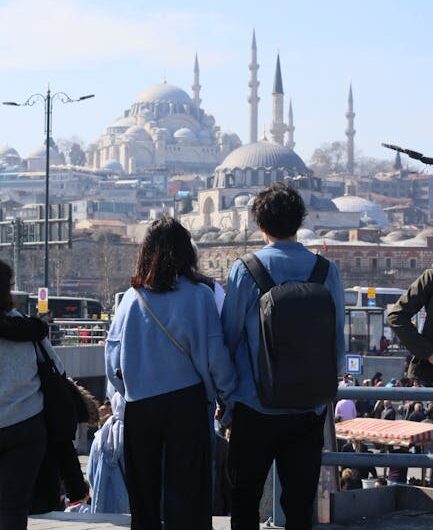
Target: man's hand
{"x": 430, "y": 359}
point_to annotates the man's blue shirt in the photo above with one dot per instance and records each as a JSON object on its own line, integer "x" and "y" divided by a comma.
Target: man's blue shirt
{"x": 285, "y": 261}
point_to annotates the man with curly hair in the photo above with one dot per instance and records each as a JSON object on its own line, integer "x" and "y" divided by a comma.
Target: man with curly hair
{"x": 260, "y": 435}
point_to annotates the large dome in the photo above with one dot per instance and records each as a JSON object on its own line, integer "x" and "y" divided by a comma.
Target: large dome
{"x": 263, "y": 154}
{"x": 354, "y": 204}
{"x": 164, "y": 93}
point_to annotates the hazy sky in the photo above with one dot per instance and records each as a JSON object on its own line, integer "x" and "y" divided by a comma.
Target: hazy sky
{"x": 116, "y": 49}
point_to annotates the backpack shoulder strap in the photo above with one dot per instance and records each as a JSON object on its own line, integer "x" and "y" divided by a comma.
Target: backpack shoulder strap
{"x": 320, "y": 270}
{"x": 258, "y": 272}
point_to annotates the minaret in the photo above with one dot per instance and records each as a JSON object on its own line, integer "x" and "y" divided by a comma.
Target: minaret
{"x": 350, "y": 133}
{"x": 278, "y": 127}
{"x": 253, "y": 98}
{"x": 291, "y": 129}
{"x": 398, "y": 166}
{"x": 196, "y": 86}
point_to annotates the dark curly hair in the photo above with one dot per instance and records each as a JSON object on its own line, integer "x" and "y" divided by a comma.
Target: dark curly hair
{"x": 279, "y": 211}
{"x": 6, "y": 282}
{"x": 165, "y": 254}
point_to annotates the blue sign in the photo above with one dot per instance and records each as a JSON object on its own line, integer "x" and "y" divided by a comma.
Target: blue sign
{"x": 354, "y": 364}
{"x": 371, "y": 302}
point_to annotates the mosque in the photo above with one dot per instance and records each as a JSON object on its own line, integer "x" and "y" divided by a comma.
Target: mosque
{"x": 226, "y": 203}
{"x": 164, "y": 128}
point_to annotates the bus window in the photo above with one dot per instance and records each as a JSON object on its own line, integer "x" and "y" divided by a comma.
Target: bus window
{"x": 350, "y": 297}
{"x": 93, "y": 308}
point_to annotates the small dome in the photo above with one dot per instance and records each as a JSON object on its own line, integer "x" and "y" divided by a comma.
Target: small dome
{"x": 138, "y": 133}
{"x": 185, "y": 135}
{"x": 41, "y": 151}
{"x": 164, "y": 93}
{"x": 208, "y": 236}
{"x": 305, "y": 234}
{"x": 6, "y": 151}
{"x": 397, "y": 235}
{"x": 113, "y": 165}
{"x": 366, "y": 208}
{"x": 228, "y": 236}
{"x": 263, "y": 154}
{"x": 242, "y": 200}
{"x": 337, "y": 235}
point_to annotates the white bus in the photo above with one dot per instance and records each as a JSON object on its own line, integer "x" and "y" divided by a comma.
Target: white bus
{"x": 385, "y": 296}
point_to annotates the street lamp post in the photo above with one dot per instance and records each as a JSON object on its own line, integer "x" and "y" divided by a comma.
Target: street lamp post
{"x": 48, "y": 100}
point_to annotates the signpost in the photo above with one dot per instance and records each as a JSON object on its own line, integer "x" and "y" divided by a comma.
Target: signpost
{"x": 354, "y": 364}
{"x": 42, "y": 300}
{"x": 371, "y": 297}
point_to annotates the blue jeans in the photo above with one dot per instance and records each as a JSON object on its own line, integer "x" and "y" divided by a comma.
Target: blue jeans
{"x": 22, "y": 448}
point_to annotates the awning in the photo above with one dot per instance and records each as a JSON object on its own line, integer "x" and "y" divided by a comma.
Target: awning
{"x": 389, "y": 432}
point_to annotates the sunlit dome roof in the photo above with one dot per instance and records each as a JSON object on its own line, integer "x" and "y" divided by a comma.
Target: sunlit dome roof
{"x": 263, "y": 154}
{"x": 138, "y": 133}
{"x": 185, "y": 133}
{"x": 305, "y": 233}
{"x": 354, "y": 204}
{"x": 164, "y": 93}
{"x": 41, "y": 151}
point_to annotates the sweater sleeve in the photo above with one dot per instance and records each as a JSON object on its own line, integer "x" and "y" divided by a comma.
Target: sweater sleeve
{"x": 19, "y": 329}
{"x": 220, "y": 363}
{"x": 408, "y": 305}
{"x": 113, "y": 344}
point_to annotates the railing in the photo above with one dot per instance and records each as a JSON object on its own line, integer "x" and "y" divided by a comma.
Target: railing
{"x": 382, "y": 459}
{"x": 333, "y": 458}
{"x": 78, "y": 332}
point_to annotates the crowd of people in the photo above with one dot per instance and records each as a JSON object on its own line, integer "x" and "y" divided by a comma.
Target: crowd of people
{"x": 347, "y": 409}
{"x": 197, "y": 414}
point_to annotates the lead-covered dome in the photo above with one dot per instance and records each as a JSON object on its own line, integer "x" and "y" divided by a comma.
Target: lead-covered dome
{"x": 354, "y": 204}
{"x": 264, "y": 155}
{"x": 164, "y": 93}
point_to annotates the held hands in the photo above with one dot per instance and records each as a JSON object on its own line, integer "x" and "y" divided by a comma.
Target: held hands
{"x": 430, "y": 359}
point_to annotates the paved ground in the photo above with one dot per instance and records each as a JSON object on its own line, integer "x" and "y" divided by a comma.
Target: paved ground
{"x": 408, "y": 520}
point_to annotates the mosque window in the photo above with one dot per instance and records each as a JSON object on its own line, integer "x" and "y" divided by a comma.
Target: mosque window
{"x": 255, "y": 178}
{"x": 358, "y": 263}
{"x": 211, "y": 266}
{"x": 388, "y": 263}
{"x": 373, "y": 264}
{"x": 412, "y": 263}
{"x": 267, "y": 179}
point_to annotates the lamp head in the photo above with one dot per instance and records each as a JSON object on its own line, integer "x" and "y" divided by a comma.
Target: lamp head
{"x": 86, "y": 97}
{"x": 11, "y": 103}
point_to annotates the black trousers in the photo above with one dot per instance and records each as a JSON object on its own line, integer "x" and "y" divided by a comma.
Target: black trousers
{"x": 295, "y": 442}
{"x": 60, "y": 464}
{"x": 22, "y": 448}
{"x": 173, "y": 428}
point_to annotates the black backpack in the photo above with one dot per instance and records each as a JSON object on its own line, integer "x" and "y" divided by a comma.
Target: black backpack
{"x": 297, "y": 358}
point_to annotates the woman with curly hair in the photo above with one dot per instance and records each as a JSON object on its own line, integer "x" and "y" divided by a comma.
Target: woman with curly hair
{"x": 166, "y": 355}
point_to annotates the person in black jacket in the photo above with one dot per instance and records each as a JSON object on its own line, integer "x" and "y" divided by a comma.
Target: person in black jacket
{"x": 420, "y": 345}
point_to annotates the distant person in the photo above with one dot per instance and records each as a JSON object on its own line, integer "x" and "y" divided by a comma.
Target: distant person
{"x": 262, "y": 432}
{"x": 376, "y": 378}
{"x": 345, "y": 408}
{"x": 166, "y": 355}
{"x": 350, "y": 480}
{"x": 418, "y": 413}
{"x": 388, "y": 412}
{"x": 22, "y": 427}
{"x": 81, "y": 506}
{"x": 380, "y": 482}
{"x": 419, "y": 344}
{"x": 347, "y": 381}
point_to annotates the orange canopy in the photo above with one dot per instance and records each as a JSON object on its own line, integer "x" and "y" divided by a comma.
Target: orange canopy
{"x": 389, "y": 432}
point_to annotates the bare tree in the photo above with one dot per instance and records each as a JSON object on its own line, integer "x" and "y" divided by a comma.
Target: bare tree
{"x": 329, "y": 158}
{"x": 60, "y": 264}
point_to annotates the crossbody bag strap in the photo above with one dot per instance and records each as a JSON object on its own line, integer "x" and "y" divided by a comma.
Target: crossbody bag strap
{"x": 39, "y": 347}
{"x": 166, "y": 332}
